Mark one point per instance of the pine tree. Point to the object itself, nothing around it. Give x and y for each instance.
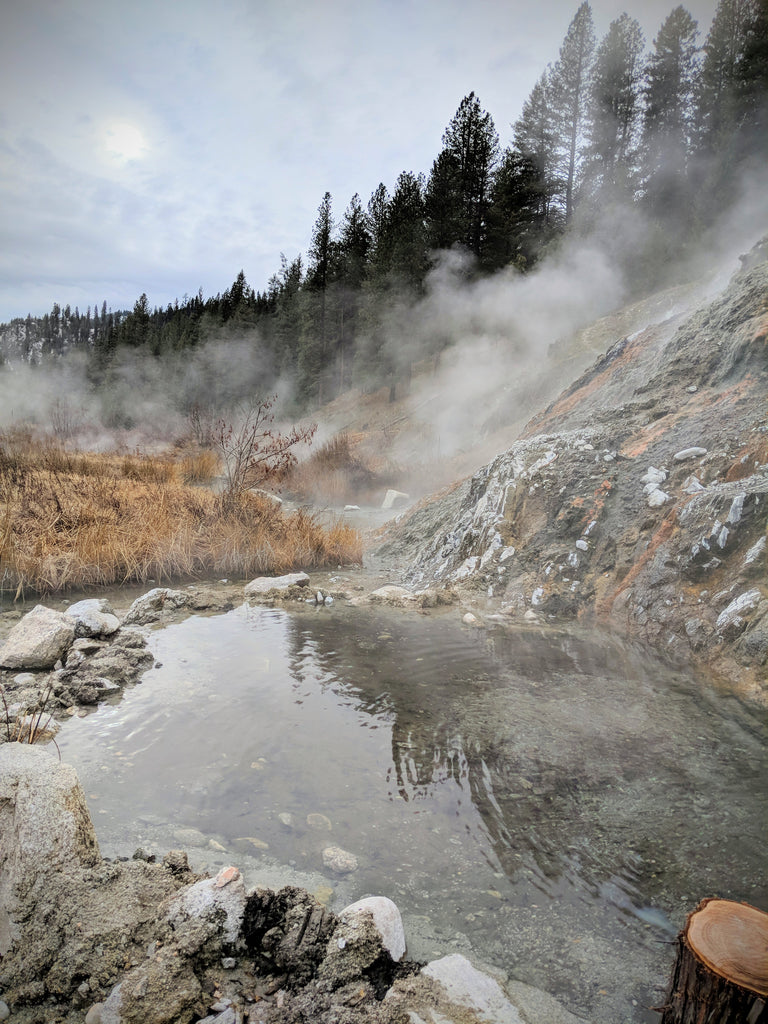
(314, 348)
(718, 101)
(535, 140)
(752, 86)
(472, 144)
(516, 227)
(669, 114)
(614, 107)
(569, 88)
(442, 203)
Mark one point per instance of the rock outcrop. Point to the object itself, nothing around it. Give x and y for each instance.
(638, 497)
(84, 939)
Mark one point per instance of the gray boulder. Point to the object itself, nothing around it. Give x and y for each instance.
(266, 584)
(163, 990)
(44, 825)
(150, 606)
(93, 618)
(38, 641)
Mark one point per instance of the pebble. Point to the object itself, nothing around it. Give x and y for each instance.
(341, 862)
(582, 545)
(469, 619)
(94, 1014)
(657, 498)
(689, 453)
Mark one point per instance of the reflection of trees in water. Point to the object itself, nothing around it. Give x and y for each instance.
(532, 811)
(549, 773)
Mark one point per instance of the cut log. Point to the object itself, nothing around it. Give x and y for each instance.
(721, 972)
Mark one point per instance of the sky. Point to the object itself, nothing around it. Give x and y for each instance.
(161, 147)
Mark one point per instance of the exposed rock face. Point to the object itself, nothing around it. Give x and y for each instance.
(44, 826)
(41, 638)
(639, 496)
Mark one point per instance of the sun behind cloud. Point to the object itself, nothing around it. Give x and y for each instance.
(125, 142)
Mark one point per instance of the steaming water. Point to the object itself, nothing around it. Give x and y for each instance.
(553, 803)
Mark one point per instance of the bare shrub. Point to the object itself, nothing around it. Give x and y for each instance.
(338, 472)
(252, 453)
(65, 421)
(202, 423)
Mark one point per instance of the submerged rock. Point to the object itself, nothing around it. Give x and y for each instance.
(339, 861)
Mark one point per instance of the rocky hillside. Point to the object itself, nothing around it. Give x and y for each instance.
(637, 498)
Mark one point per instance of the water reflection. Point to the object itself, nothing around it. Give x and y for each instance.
(592, 768)
(561, 800)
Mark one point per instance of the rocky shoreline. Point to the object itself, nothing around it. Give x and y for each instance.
(85, 939)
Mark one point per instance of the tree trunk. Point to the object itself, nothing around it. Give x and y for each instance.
(721, 972)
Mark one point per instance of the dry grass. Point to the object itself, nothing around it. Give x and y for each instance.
(340, 472)
(77, 520)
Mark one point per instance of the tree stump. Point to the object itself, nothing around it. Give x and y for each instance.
(721, 972)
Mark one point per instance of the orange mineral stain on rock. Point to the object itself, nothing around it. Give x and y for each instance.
(225, 876)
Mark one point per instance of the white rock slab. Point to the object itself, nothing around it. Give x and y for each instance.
(470, 988)
(739, 607)
(394, 498)
(689, 453)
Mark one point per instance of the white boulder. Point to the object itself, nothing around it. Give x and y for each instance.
(386, 919)
(93, 618)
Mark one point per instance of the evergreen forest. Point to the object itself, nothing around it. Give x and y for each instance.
(615, 131)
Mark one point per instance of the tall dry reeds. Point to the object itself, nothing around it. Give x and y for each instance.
(72, 520)
(338, 472)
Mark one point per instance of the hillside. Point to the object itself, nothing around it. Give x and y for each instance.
(637, 498)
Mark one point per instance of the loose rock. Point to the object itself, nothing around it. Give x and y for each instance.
(339, 861)
(41, 638)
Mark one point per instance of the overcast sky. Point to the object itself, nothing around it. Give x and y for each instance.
(158, 146)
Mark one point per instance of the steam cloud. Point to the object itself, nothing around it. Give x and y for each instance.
(491, 349)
